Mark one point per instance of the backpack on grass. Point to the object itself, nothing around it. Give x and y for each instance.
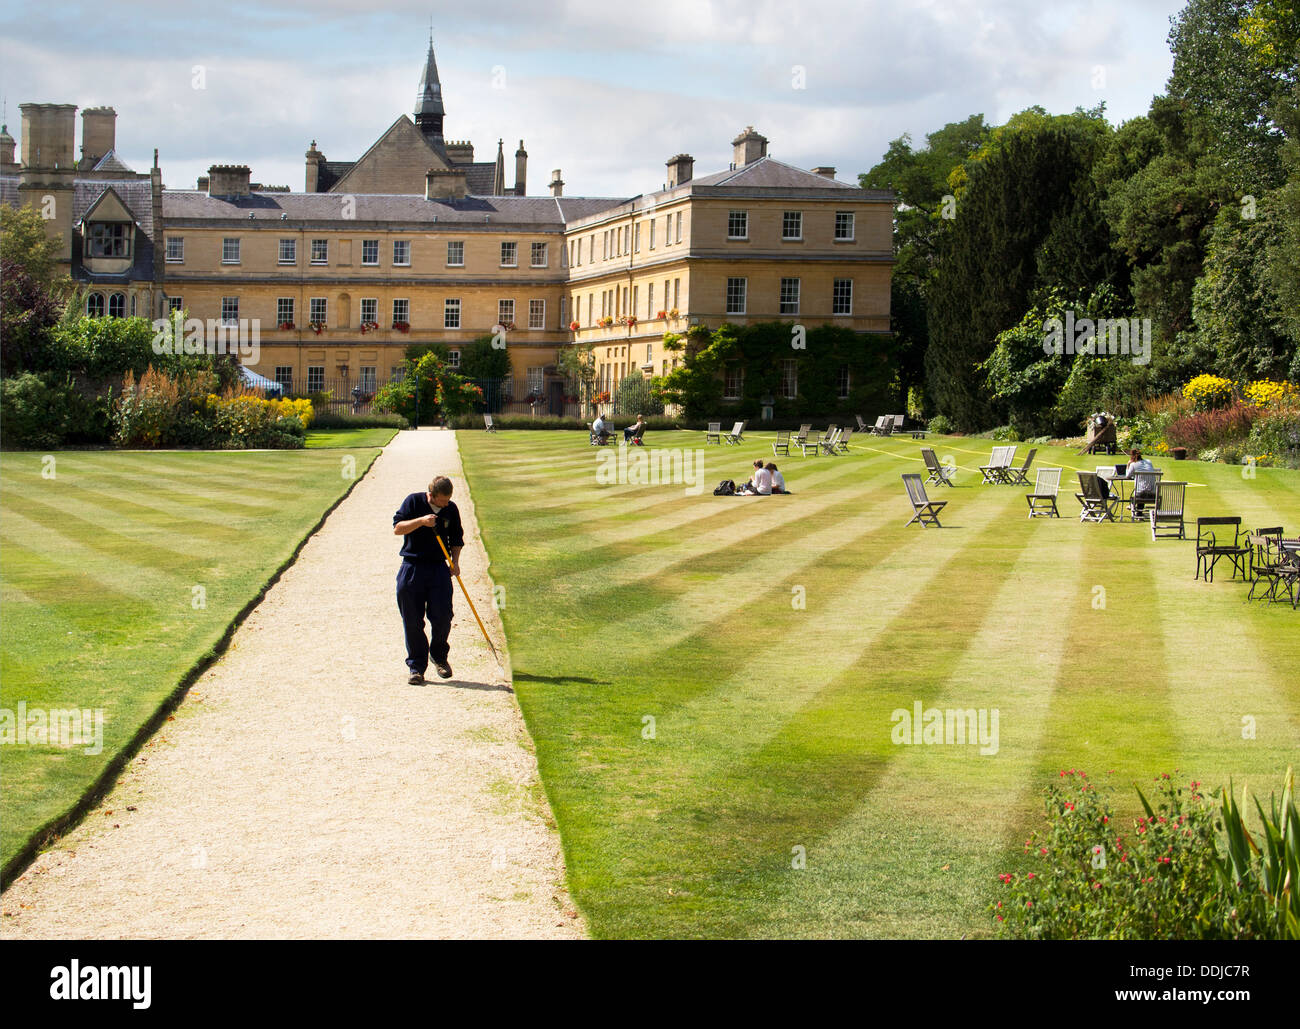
(726, 488)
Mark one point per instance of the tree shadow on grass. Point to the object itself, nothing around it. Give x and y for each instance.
(525, 677)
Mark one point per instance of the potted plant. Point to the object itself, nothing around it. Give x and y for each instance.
(286, 326)
(369, 327)
(661, 315)
(574, 326)
(402, 326)
(317, 327)
(1180, 453)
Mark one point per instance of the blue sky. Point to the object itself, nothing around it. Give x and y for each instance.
(606, 92)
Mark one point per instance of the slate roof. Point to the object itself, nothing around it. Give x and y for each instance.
(330, 173)
(181, 206)
(110, 162)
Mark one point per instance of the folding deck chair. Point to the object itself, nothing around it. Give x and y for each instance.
(1168, 511)
(1093, 503)
(1042, 502)
(737, 434)
(842, 444)
(999, 461)
(714, 433)
(924, 510)
(831, 441)
(940, 473)
(1018, 476)
(862, 426)
(782, 444)
(487, 424)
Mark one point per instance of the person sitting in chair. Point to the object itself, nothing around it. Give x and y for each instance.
(600, 430)
(633, 433)
(1138, 463)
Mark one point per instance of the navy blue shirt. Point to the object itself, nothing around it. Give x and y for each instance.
(421, 546)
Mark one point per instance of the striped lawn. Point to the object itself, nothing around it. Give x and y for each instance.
(99, 566)
(772, 724)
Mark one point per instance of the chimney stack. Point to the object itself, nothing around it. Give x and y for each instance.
(824, 169)
(228, 180)
(98, 134)
(557, 184)
(49, 132)
(445, 184)
(748, 147)
(680, 169)
(521, 169)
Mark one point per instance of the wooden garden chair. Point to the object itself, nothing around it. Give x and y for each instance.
(831, 442)
(842, 444)
(1042, 502)
(714, 433)
(940, 473)
(487, 424)
(1019, 476)
(1168, 511)
(1214, 543)
(1145, 487)
(737, 434)
(924, 510)
(862, 426)
(1095, 507)
(999, 460)
(782, 444)
(898, 422)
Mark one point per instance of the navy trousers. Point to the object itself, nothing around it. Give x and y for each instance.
(424, 590)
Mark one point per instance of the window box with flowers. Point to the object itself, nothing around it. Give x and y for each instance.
(673, 314)
(369, 327)
(402, 326)
(606, 322)
(317, 327)
(286, 326)
(574, 326)
(661, 315)
(629, 320)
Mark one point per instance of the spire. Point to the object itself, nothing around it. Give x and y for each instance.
(428, 101)
(499, 177)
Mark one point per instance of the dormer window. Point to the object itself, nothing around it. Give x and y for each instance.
(109, 239)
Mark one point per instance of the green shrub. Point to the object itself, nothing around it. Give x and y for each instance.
(32, 412)
(326, 419)
(1277, 434)
(1086, 877)
(940, 424)
(634, 396)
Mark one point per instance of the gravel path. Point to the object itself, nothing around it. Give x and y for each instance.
(303, 789)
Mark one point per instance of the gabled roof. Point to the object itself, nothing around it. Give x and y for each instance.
(136, 195)
(108, 198)
(403, 126)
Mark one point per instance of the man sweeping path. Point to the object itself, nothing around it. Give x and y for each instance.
(424, 580)
(301, 793)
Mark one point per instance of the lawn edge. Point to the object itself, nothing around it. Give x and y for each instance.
(107, 779)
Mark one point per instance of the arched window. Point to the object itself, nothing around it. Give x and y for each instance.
(95, 305)
(117, 305)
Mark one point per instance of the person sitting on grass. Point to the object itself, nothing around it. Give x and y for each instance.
(601, 430)
(633, 433)
(778, 480)
(760, 483)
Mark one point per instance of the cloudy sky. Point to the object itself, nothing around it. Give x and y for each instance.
(604, 91)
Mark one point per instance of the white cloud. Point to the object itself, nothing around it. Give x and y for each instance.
(603, 91)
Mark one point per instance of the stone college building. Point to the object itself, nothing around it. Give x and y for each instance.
(415, 241)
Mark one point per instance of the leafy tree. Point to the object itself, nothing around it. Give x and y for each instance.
(1026, 200)
(29, 313)
(920, 179)
(577, 363)
(1234, 62)
(480, 360)
(442, 393)
(1236, 306)
(25, 245)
